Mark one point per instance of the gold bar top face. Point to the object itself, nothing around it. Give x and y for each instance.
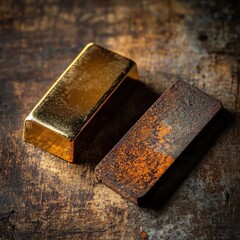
(57, 120)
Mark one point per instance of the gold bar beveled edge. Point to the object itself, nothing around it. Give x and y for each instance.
(132, 73)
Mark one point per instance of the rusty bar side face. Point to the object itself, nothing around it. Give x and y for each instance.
(57, 121)
(150, 147)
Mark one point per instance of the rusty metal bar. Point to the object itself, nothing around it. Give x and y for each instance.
(151, 146)
(57, 122)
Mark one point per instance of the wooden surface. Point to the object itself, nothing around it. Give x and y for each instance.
(43, 197)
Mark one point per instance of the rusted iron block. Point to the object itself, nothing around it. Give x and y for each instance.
(59, 121)
(152, 145)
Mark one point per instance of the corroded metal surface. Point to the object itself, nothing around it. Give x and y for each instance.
(145, 153)
(57, 121)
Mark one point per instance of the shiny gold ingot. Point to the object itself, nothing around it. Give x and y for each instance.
(56, 123)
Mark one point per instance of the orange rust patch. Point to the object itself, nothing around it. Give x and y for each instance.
(144, 164)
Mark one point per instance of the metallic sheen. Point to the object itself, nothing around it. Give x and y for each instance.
(56, 122)
(151, 146)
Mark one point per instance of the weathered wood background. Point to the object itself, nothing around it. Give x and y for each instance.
(43, 197)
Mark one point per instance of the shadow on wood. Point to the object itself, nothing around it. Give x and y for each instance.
(185, 163)
(127, 104)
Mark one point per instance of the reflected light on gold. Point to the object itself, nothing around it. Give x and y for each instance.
(56, 122)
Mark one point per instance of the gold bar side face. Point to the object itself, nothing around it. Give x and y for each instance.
(48, 140)
(56, 122)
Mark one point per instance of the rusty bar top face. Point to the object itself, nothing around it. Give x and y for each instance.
(149, 148)
(57, 120)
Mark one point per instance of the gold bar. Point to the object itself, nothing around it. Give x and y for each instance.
(56, 123)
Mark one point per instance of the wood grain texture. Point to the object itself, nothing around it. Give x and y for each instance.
(43, 197)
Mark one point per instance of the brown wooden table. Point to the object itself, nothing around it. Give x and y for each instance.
(43, 197)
